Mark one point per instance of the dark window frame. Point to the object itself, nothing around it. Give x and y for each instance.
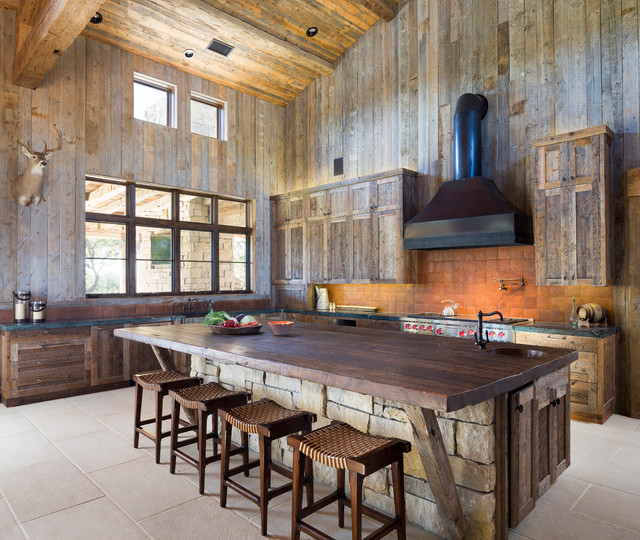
(131, 221)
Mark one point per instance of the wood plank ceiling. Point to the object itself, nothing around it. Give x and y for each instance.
(272, 59)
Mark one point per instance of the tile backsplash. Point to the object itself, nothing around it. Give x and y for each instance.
(466, 277)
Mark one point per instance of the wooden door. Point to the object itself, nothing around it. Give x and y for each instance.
(338, 253)
(279, 255)
(318, 205)
(288, 209)
(295, 253)
(387, 245)
(338, 201)
(107, 356)
(523, 457)
(317, 248)
(633, 295)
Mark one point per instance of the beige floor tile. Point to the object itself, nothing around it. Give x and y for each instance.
(121, 423)
(25, 449)
(60, 426)
(617, 421)
(41, 489)
(143, 488)
(515, 536)
(611, 505)
(602, 448)
(201, 519)
(98, 519)
(605, 474)
(48, 408)
(9, 529)
(98, 450)
(566, 491)
(12, 422)
(627, 457)
(551, 522)
(128, 393)
(101, 404)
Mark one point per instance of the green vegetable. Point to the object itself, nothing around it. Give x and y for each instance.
(215, 318)
(247, 319)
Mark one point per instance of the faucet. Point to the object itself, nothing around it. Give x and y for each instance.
(480, 341)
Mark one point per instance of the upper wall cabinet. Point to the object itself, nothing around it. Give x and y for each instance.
(573, 208)
(351, 232)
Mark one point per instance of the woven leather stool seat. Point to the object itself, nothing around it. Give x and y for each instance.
(160, 382)
(206, 399)
(261, 413)
(269, 421)
(343, 447)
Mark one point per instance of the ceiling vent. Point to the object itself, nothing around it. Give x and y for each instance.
(220, 47)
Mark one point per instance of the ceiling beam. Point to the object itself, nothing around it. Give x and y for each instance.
(55, 26)
(385, 9)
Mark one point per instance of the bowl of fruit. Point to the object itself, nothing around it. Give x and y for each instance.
(220, 322)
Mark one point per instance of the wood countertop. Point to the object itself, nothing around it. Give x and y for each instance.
(439, 373)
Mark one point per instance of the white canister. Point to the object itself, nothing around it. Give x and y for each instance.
(322, 298)
(38, 310)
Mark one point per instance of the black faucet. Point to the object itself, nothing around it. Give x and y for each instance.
(480, 341)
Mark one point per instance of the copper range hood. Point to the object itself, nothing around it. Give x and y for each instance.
(469, 211)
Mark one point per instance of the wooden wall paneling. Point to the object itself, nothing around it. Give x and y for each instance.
(93, 106)
(515, 191)
(232, 131)
(115, 111)
(403, 112)
(562, 49)
(433, 81)
(593, 49)
(127, 151)
(336, 116)
(576, 69)
(350, 111)
(629, 372)
(502, 104)
(21, 229)
(445, 76)
(73, 266)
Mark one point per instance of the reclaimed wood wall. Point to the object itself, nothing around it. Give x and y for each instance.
(545, 66)
(89, 95)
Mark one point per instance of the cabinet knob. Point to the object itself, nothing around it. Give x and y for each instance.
(520, 408)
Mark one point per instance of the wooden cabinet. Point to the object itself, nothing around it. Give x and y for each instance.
(289, 296)
(573, 218)
(140, 356)
(539, 440)
(592, 375)
(351, 233)
(108, 362)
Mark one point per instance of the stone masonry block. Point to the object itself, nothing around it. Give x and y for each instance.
(379, 501)
(379, 481)
(482, 413)
(237, 375)
(350, 399)
(479, 506)
(281, 397)
(284, 383)
(473, 475)
(418, 487)
(390, 428)
(425, 514)
(313, 398)
(476, 442)
(198, 363)
(357, 419)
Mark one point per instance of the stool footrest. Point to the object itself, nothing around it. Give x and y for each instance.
(319, 505)
(313, 532)
(243, 468)
(282, 470)
(242, 490)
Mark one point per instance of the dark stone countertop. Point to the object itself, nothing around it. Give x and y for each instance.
(94, 321)
(595, 330)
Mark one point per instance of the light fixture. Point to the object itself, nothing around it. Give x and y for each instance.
(312, 31)
(97, 18)
(189, 54)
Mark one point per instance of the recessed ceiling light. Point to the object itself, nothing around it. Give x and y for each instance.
(312, 31)
(189, 54)
(96, 19)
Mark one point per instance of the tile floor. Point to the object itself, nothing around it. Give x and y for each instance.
(68, 470)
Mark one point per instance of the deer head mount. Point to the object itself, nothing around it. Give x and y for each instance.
(26, 189)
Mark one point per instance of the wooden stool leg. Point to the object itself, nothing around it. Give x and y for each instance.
(397, 475)
(226, 428)
(340, 473)
(265, 472)
(202, 448)
(214, 427)
(355, 481)
(308, 469)
(244, 437)
(158, 441)
(136, 416)
(175, 424)
(298, 479)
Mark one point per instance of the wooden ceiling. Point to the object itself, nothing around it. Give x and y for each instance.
(273, 58)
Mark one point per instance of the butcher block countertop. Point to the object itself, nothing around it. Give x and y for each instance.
(444, 374)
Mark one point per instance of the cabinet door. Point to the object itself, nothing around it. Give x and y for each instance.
(362, 248)
(387, 247)
(338, 201)
(318, 205)
(279, 255)
(339, 263)
(523, 489)
(288, 210)
(317, 238)
(295, 253)
(107, 356)
(291, 297)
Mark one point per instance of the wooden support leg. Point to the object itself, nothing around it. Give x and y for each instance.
(202, 449)
(167, 364)
(136, 417)
(298, 479)
(158, 441)
(340, 500)
(428, 439)
(175, 424)
(265, 472)
(397, 476)
(355, 481)
(244, 437)
(225, 429)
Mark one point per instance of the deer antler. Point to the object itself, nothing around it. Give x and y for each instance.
(46, 148)
(19, 136)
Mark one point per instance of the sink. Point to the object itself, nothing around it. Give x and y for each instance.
(512, 351)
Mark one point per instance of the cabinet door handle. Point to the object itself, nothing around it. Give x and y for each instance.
(520, 408)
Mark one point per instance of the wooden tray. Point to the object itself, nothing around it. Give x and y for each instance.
(361, 309)
(240, 331)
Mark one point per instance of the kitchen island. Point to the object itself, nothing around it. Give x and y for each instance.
(422, 374)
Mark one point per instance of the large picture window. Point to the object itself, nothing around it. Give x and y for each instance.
(143, 240)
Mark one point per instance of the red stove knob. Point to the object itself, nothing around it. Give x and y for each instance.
(415, 326)
(492, 333)
(462, 333)
(429, 328)
(422, 327)
(407, 326)
(469, 332)
(439, 331)
(500, 334)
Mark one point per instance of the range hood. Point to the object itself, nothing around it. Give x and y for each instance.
(469, 211)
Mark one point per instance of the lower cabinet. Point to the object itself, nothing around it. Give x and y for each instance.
(108, 362)
(538, 439)
(289, 296)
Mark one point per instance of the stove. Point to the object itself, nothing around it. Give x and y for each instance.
(460, 326)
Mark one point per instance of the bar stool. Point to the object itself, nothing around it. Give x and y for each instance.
(343, 447)
(205, 400)
(269, 421)
(159, 382)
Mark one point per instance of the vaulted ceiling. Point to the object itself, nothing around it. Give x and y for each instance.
(273, 58)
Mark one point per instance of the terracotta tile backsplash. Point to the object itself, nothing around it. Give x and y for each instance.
(466, 277)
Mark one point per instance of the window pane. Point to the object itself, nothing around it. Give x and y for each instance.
(151, 203)
(195, 246)
(195, 209)
(105, 258)
(232, 213)
(154, 253)
(195, 276)
(105, 198)
(204, 119)
(233, 276)
(232, 248)
(150, 103)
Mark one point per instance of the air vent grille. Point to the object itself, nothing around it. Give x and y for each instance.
(220, 47)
